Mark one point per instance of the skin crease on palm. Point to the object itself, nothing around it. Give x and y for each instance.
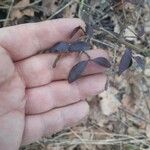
(35, 99)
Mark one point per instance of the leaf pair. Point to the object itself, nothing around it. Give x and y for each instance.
(76, 46)
(127, 60)
(78, 69)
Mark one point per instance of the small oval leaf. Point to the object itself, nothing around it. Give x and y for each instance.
(76, 30)
(60, 47)
(126, 61)
(76, 71)
(102, 61)
(140, 62)
(79, 46)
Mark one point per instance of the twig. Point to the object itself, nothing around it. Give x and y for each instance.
(110, 139)
(130, 113)
(21, 7)
(138, 17)
(82, 140)
(93, 10)
(124, 12)
(80, 8)
(8, 14)
(124, 42)
(61, 9)
(146, 98)
(98, 41)
(3, 20)
(29, 5)
(102, 142)
(4, 7)
(147, 105)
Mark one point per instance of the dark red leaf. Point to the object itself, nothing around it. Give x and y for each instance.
(126, 61)
(60, 47)
(76, 71)
(140, 62)
(131, 62)
(76, 30)
(102, 61)
(140, 30)
(79, 46)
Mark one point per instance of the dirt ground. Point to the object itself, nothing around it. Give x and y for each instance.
(119, 117)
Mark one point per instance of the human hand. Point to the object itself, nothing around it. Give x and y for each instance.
(35, 98)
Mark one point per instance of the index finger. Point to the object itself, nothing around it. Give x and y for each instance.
(25, 40)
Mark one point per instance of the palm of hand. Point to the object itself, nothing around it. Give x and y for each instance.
(30, 106)
(12, 105)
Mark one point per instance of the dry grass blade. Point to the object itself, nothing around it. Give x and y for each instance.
(8, 13)
(123, 41)
(134, 115)
(21, 7)
(101, 142)
(61, 9)
(81, 4)
(80, 138)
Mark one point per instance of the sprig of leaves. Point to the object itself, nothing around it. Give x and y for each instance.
(79, 68)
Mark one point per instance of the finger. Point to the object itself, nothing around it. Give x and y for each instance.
(58, 94)
(38, 70)
(53, 121)
(6, 66)
(33, 37)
